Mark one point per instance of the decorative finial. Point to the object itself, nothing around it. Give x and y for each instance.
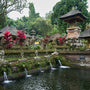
(73, 8)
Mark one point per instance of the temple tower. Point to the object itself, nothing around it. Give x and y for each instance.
(72, 17)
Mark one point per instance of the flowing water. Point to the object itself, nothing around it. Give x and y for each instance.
(61, 66)
(52, 67)
(6, 79)
(27, 73)
(59, 79)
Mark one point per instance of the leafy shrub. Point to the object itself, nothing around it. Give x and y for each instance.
(36, 47)
(82, 48)
(50, 45)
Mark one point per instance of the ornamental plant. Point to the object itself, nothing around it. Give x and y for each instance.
(62, 40)
(46, 40)
(7, 39)
(20, 37)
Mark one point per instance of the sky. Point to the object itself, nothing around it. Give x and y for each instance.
(41, 6)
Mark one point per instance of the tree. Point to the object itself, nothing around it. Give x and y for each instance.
(10, 22)
(65, 6)
(48, 15)
(41, 26)
(32, 14)
(6, 6)
(28, 21)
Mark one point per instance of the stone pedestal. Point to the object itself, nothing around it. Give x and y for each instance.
(73, 32)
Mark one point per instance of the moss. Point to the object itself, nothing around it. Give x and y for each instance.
(34, 64)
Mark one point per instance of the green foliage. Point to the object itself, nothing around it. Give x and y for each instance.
(62, 47)
(35, 47)
(5, 8)
(50, 45)
(65, 6)
(5, 68)
(82, 48)
(32, 64)
(32, 14)
(40, 25)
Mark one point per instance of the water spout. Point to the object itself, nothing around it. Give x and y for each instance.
(52, 67)
(41, 70)
(26, 72)
(60, 62)
(6, 78)
(61, 66)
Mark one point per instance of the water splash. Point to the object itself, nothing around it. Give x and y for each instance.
(60, 62)
(61, 66)
(55, 52)
(26, 72)
(52, 67)
(41, 70)
(6, 78)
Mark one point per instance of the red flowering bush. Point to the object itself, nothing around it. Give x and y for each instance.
(47, 36)
(62, 40)
(20, 37)
(46, 40)
(7, 39)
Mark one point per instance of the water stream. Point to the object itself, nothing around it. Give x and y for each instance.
(6, 78)
(26, 72)
(61, 66)
(52, 67)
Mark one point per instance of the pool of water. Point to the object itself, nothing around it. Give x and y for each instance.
(59, 79)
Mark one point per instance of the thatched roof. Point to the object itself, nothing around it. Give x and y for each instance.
(13, 30)
(84, 34)
(53, 37)
(73, 13)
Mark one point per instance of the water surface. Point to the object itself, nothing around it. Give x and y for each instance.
(59, 79)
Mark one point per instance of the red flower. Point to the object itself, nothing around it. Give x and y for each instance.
(14, 41)
(45, 40)
(10, 45)
(61, 40)
(47, 36)
(20, 37)
(24, 36)
(7, 39)
(6, 33)
(20, 43)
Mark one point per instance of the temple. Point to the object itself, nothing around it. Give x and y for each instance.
(86, 35)
(72, 17)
